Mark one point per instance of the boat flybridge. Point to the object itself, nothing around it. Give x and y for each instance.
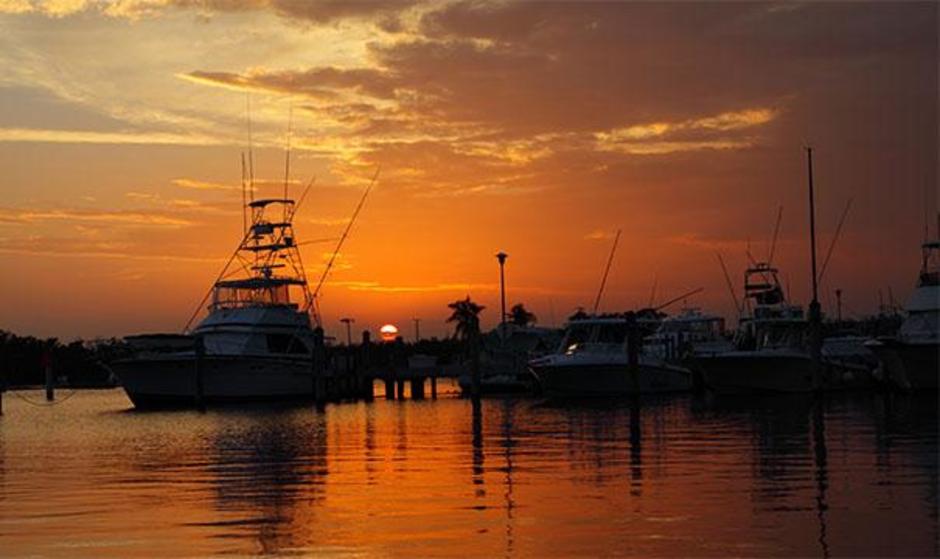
(265, 311)
(910, 359)
(255, 343)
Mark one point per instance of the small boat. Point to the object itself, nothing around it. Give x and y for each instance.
(504, 358)
(255, 344)
(593, 361)
(910, 359)
(687, 334)
(683, 337)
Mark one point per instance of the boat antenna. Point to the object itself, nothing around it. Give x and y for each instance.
(610, 260)
(290, 123)
(835, 237)
(724, 270)
(251, 156)
(679, 298)
(300, 200)
(342, 239)
(653, 291)
(244, 202)
(773, 242)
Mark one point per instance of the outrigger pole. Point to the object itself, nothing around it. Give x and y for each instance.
(724, 270)
(610, 260)
(342, 239)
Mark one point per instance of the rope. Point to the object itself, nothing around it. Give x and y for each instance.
(45, 404)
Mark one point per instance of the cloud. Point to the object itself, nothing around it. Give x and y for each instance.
(318, 11)
(130, 217)
(96, 137)
(202, 185)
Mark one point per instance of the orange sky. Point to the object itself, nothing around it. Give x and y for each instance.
(534, 128)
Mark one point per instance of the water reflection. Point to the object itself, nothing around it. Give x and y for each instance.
(262, 473)
(841, 475)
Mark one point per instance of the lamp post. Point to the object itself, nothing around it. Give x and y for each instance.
(501, 256)
(348, 322)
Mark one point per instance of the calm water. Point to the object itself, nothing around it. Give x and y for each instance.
(851, 475)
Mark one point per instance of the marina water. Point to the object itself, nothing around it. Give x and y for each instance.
(846, 474)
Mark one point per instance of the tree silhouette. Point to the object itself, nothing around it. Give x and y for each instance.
(466, 316)
(519, 316)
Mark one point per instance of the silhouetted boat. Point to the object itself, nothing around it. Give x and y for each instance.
(504, 359)
(255, 343)
(593, 361)
(771, 346)
(910, 359)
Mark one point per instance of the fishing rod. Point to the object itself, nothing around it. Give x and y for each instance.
(342, 239)
(724, 269)
(610, 260)
(679, 298)
(835, 237)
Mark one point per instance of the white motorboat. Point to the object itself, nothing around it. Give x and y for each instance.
(256, 343)
(910, 359)
(593, 361)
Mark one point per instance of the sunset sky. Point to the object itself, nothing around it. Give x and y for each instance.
(534, 128)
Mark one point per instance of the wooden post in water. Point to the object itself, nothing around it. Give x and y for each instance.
(417, 388)
(319, 374)
(200, 348)
(363, 367)
(50, 379)
(633, 352)
(434, 385)
(475, 379)
(389, 388)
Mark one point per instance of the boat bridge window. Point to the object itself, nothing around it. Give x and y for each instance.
(285, 343)
(576, 337)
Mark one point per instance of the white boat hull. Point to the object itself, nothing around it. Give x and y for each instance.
(612, 379)
(172, 381)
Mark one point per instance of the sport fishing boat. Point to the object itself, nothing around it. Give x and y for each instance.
(910, 358)
(771, 346)
(256, 343)
(593, 360)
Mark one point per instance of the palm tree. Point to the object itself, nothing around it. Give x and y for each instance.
(465, 314)
(519, 316)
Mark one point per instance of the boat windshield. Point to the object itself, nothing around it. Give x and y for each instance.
(233, 297)
(596, 337)
(781, 335)
(577, 336)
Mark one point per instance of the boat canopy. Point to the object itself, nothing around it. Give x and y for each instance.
(266, 201)
(253, 292)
